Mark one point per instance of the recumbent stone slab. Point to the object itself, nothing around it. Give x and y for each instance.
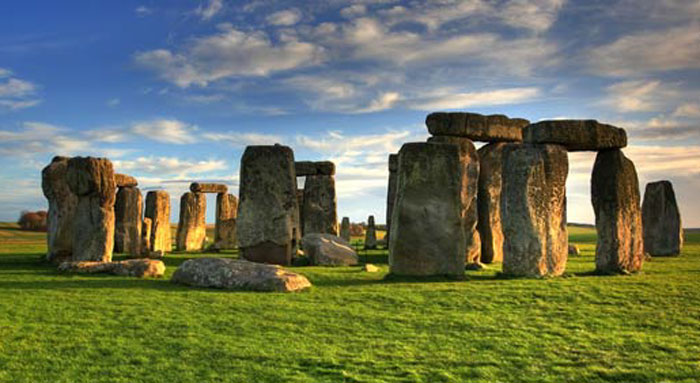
(661, 220)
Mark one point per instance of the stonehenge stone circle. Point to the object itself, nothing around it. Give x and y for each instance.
(62, 206)
(576, 135)
(125, 181)
(198, 187)
(345, 229)
(191, 228)
(661, 220)
(476, 127)
(618, 217)
(391, 192)
(489, 202)
(311, 168)
(92, 180)
(428, 233)
(225, 226)
(533, 210)
(319, 212)
(146, 228)
(328, 250)
(127, 231)
(268, 213)
(370, 234)
(158, 210)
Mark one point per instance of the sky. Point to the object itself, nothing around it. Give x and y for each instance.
(173, 91)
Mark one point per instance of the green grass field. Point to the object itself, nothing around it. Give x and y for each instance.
(351, 326)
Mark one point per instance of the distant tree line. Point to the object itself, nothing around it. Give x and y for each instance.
(33, 220)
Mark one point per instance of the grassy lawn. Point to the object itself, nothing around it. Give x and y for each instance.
(351, 326)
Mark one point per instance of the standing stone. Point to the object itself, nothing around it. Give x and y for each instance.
(428, 225)
(62, 205)
(268, 213)
(477, 127)
(191, 228)
(127, 231)
(370, 234)
(319, 213)
(391, 192)
(533, 207)
(92, 180)
(225, 229)
(345, 229)
(489, 202)
(661, 220)
(146, 235)
(618, 217)
(158, 210)
(300, 202)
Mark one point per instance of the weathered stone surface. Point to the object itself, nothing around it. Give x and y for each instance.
(328, 250)
(370, 234)
(127, 212)
(489, 202)
(62, 205)
(300, 202)
(310, 168)
(236, 274)
(618, 217)
(391, 192)
(370, 268)
(473, 247)
(140, 268)
(203, 187)
(158, 210)
(428, 226)
(533, 208)
(661, 220)
(92, 180)
(268, 213)
(477, 127)
(191, 228)
(319, 213)
(146, 227)
(125, 181)
(576, 135)
(225, 226)
(574, 250)
(345, 229)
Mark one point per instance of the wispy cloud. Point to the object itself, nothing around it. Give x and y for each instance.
(471, 99)
(287, 17)
(212, 7)
(242, 139)
(142, 11)
(16, 93)
(168, 131)
(640, 95)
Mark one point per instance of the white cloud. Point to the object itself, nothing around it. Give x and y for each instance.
(113, 102)
(210, 10)
(168, 166)
(16, 93)
(5, 72)
(687, 110)
(142, 11)
(385, 101)
(169, 131)
(639, 95)
(471, 99)
(287, 17)
(240, 139)
(353, 11)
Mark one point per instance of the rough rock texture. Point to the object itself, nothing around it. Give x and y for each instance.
(489, 202)
(146, 228)
(576, 135)
(130, 268)
(191, 228)
(62, 205)
(328, 250)
(158, 210)
(197, 187)
(92, 180)
(310, 168)
(127, 226)
(533, 208)
(618, 217)
(125, 181)
(428, 226)
(477, 127)
(268, 214)
(661, 220)
(370, 234)
(236, 274)
(300, 202)
(345, 229)
(391, 192)
(319, 213)
(474, 247)
(225, 226)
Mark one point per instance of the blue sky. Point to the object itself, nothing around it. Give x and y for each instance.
(173, 91)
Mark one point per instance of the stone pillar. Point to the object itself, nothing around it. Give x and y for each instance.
(268, 213)
(300, 202)
(618, 217)
(370, 234)
(533, 208)
(225, 229)
(146, 235)
(158, 210)
(345, 229)
(191, 227)
(428, 226)
(489, 202)
(661, 220)
(127, 210)
(320, 213)
(62, 205)
(391, 192)
(92, 180)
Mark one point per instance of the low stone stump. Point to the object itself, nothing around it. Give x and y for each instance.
(661, 220)
(62, 206)
(236, 274)
(158, 210)
(476, 127)
(370, 234)
(345, 229)
(140, 268)
(328, 250)
(576, 135)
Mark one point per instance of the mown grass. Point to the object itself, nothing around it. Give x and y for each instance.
(351, 326)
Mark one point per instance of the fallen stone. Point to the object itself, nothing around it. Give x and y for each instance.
(125, 181)
(574, 250)
(203, 187)
(319, 213)
(62, 206)
(158, 210)
(476, 127)
(576, 135)
(489, 202)
(140, 268)
(370, 234)
(345, 229)
(661, 220)
(370, 268)
(310, 168)
(328, 250)
(236, 274)
(127, 211)
(191, 228)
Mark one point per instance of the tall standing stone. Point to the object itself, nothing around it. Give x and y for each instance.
(429, 222)
(127, 232)
(661, 220)
(370, 234)
(489, 202)
(618, 217)
(533, 207)
(158, 210)
(268, 213)
(191, 228)
(62, 205)
(92, 180)
(146, 228)
(345, 229)
(225, 228)
(319, 211)
(391, 192)
(300, 202)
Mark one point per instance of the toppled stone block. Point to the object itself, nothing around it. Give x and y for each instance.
(328, 250)
(140, 268)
